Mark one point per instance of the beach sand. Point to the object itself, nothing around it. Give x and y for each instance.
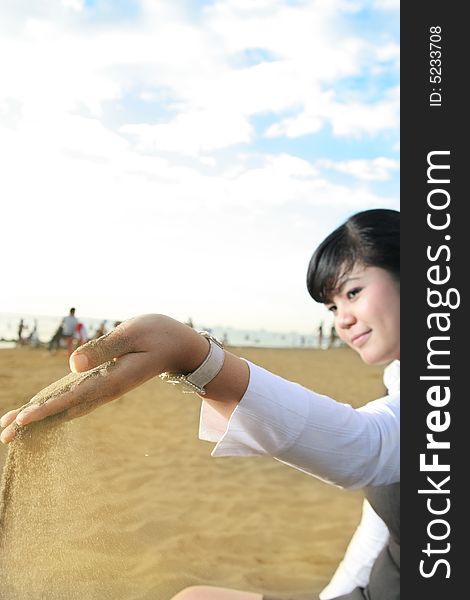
(128, 504)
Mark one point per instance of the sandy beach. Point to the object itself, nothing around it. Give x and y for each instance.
(131, 506)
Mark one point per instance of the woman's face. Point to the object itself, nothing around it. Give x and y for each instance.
(366, 308)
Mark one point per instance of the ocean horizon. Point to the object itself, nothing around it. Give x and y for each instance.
(46, 325)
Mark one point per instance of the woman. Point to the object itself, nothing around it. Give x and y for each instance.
(249, 411)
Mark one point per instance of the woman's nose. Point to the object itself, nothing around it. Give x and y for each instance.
(344, 319)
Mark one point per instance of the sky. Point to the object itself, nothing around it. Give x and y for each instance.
(186, 157)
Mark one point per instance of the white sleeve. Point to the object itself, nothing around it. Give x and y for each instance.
(348, 447)
(366, 544)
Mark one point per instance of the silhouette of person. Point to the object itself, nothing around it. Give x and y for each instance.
(333, 336)
(101, 330)
(20, 331)
(55, 339)
(81, 334)
(68, 329)
(33, 338)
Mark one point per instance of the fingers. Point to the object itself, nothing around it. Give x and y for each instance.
(25, 416)
(9, 417)
(114, 344)
(79, 393)
(102, 370)
(72, 390)
(8, 434)
(9, 425)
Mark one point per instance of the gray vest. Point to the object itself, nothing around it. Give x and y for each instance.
(384, 582)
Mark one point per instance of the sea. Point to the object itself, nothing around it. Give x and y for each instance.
(44, 327)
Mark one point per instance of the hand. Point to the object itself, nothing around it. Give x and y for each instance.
(106, 368)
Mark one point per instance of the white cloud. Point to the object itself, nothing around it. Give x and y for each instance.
(387, 4)
(376, 169)
(130, 235)
(121, 143)
(388, 52)
(355, 119)
(62, 67)
(76, 5)
(192, 133)
(347, 119)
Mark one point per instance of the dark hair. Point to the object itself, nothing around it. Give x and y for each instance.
(370, 238)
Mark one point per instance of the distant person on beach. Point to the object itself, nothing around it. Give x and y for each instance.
(320, 335)
(33, 337)
(333, 337)
(81, 334)
(68, 329)
(54, 342)
(246, 410)
(21, 327)
(101, 330)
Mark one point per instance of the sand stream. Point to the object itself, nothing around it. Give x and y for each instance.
(43, 506)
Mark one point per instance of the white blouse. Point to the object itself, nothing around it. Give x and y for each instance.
(332, 441)
(348, 447)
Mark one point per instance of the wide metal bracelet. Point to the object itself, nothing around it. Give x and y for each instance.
(175, 379)
(204, 374)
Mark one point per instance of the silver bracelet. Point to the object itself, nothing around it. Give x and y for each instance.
(195, 382)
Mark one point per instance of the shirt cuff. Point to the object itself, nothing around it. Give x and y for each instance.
(263, 423)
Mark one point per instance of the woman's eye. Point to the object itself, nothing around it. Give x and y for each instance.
(331, 308)
(353, 293)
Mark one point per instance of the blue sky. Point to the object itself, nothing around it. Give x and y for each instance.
(186, 157)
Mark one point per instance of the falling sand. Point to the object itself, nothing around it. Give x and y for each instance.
(42, 495)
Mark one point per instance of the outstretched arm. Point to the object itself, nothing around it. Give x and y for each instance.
(134, 352)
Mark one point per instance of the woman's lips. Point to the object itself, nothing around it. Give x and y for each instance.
(361, 338)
